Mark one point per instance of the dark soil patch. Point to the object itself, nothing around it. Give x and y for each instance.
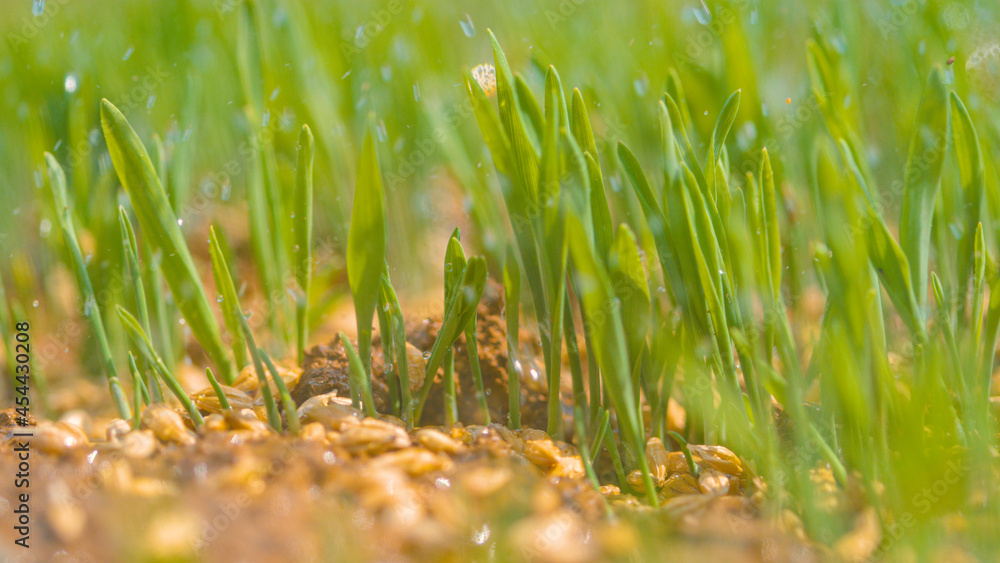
(325, 370)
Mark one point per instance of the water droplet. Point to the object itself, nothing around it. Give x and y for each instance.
(219, 298)
(182, 321)
(180, 221)
(468, 28)
(128, 53)
(380, 131)
(427, 355)
(151, 101)
(34, 303)
(416, 92)
(70, 84)
(480, 536)
(274, 93)
(265, 118)
(37, 7)
(45, 227)
(703, 16)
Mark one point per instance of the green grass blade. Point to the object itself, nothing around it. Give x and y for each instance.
(273, 418)
(302, 225)
(141, 340)
(231, 312)
(291, 414)
(525, 159)
(138, 389)
(366, 244)
(493, 133)
(57, 182)
(223, 400)
(604, 317)
(922, 181)
(969, 156)
(361, 390)
(160, 227)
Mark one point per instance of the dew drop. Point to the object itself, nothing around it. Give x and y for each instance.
(128, 53)
(180, 221)
(37, 7)
(265, 118)
(34, 303)
(70, 84)
(427, 355)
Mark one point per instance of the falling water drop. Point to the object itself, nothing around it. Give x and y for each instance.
(468, 28)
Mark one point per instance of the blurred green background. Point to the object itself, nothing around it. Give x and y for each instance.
(171, 68)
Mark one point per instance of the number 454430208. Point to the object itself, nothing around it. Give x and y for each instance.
(22, 359)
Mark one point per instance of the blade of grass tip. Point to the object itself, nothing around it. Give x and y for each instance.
(512, 310)
(366, 244)
(230, 301)
(162, 229)
(386, 327)
(361, 390)
(722, 126)
(459, 310)
(921, 181)
(944, 321)
(692, 467)
(265, 390)
(137, 392)
(302, 226)
(57, 182)
(588, 467)
(291, 412)
(223, 400)
(140, 339)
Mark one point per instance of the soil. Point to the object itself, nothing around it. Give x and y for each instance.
(351, 488)
(325, 370)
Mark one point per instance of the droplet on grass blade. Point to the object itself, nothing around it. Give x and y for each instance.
(70, 83)
(37, 7)
(128, 52)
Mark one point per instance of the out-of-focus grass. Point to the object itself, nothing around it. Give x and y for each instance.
(875, 118)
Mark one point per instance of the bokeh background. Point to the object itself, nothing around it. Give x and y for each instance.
(171, 67)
